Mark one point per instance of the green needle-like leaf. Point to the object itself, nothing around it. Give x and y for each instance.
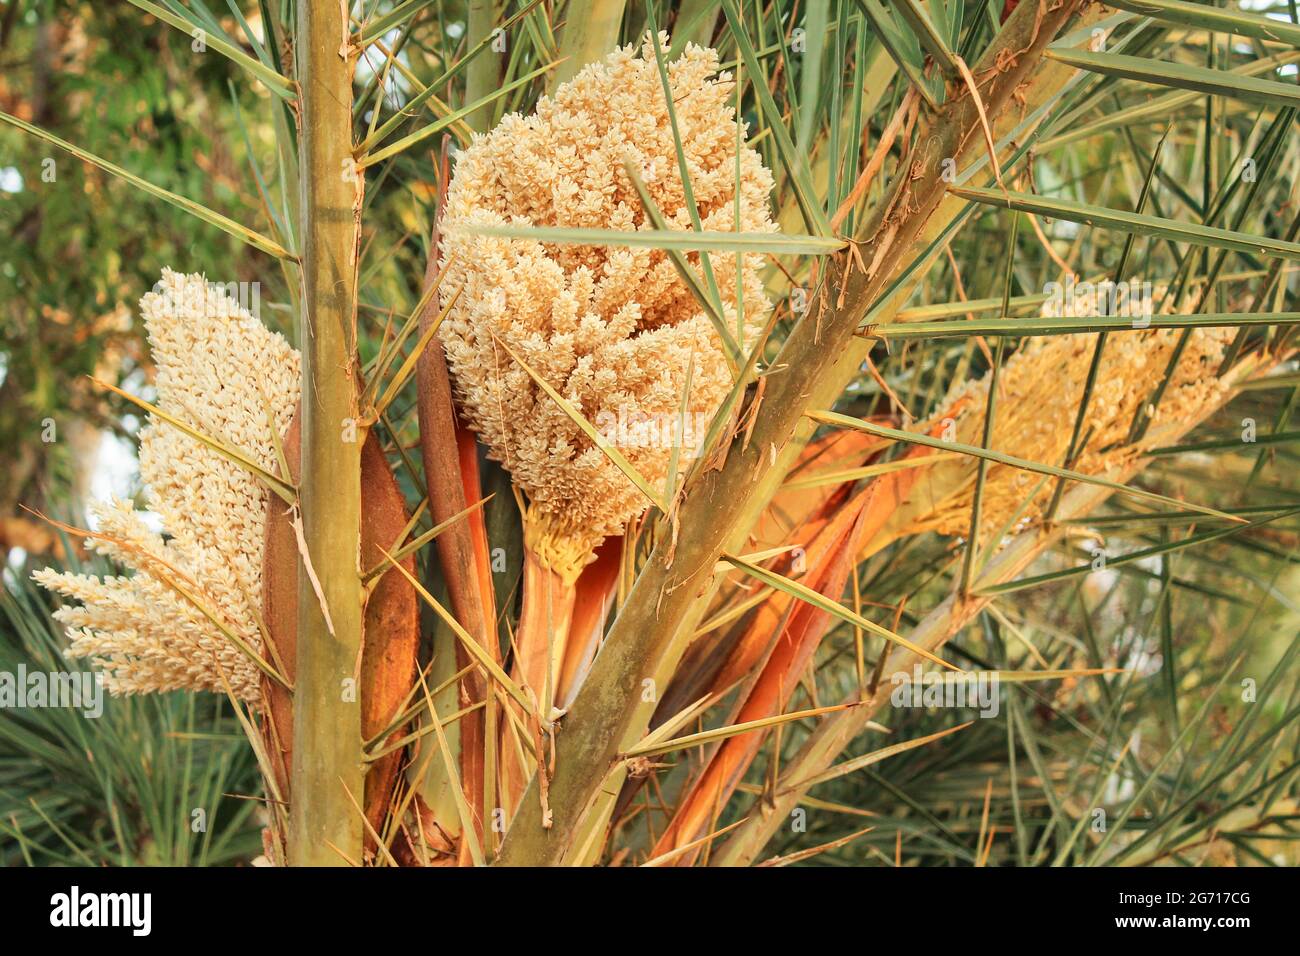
(1182, 76)
(1131, 222)
(1034, 325)
(280, 85)
(1213, 18)
(844, 421)
(255, 239)
(683, 240)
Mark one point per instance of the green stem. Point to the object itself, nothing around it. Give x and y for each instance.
(990, 412)
(591, 30)
(484, 72)
(695, 23)
(325, 826)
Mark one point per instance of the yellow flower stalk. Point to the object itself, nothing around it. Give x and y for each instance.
(168, 626)
(614, 330)
(1040, 391)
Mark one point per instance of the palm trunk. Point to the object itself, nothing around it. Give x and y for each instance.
(325, 825)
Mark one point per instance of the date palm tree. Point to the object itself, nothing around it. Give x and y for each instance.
(950, 284)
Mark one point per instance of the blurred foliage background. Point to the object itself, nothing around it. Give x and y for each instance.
(80, 249)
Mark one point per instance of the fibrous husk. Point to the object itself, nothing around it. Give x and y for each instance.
(391, 636)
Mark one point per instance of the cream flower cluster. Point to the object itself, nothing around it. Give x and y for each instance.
(614, 330)
(223, 373)
(1039, 392)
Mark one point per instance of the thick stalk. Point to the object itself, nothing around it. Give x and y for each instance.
(695, 23)
(540, 640)
(593, 597)
(1048, 83)
(484, 71)
(835, 733)
(611, 703)
(590, 31)
(325, 827)
(543, 629)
